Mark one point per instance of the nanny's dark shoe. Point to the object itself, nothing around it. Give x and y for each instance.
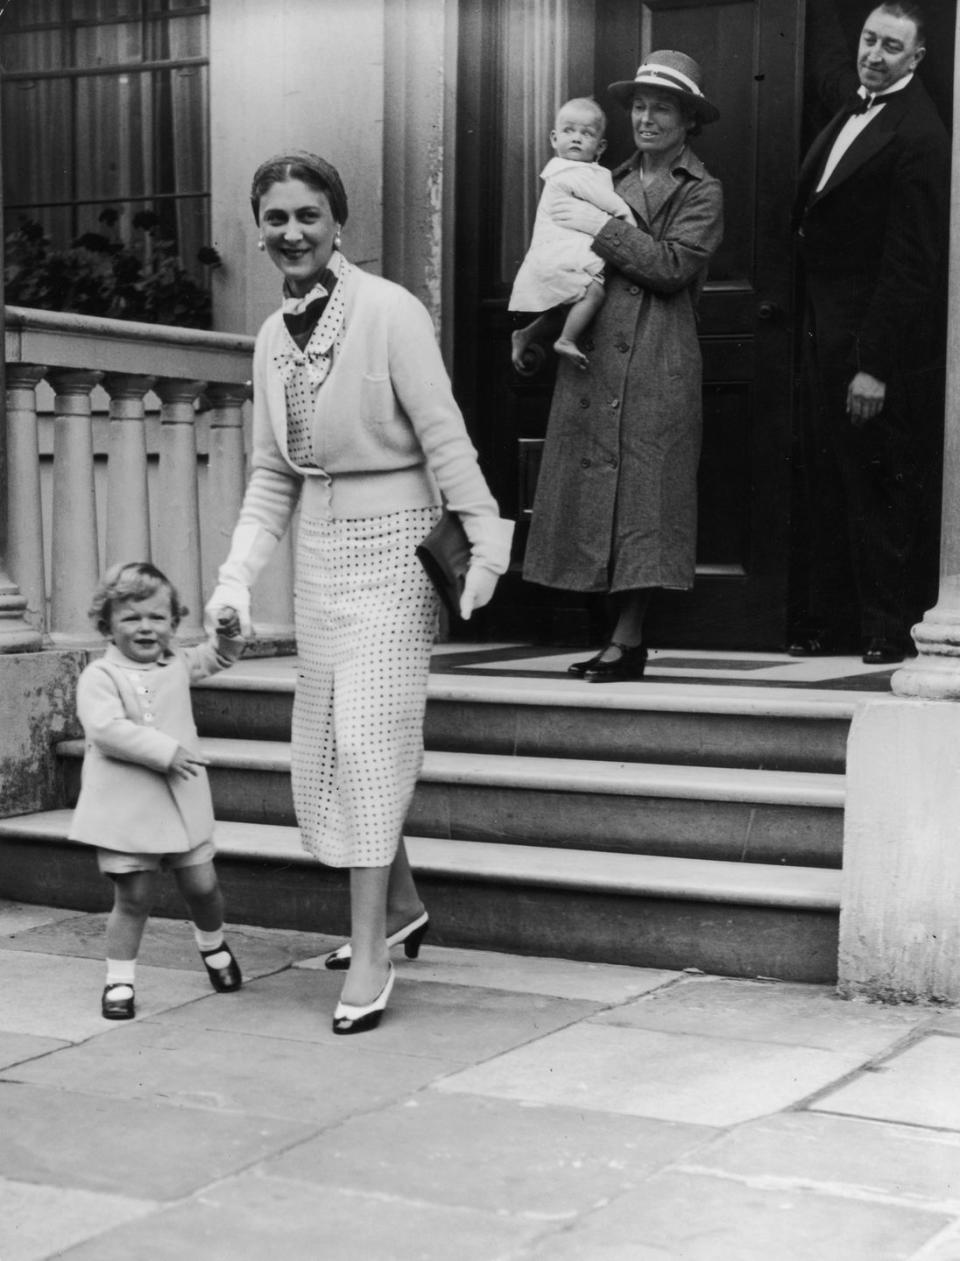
(350, 1019)
(815, 644)
(410, 936)
(630, 664)
(581, 668)
(226, 977)
(117, 1002)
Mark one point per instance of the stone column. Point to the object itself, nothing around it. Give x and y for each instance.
(75, 553)
(899, 922)
(24, 512)
(178, 509)
(128, 502)
(16, 633)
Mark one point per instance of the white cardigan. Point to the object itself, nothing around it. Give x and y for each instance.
(387, 431)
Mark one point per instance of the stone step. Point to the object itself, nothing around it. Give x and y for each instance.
(694, 812)
(729, 918)
(680, 724)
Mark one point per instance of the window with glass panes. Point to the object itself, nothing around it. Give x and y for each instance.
(105, 106)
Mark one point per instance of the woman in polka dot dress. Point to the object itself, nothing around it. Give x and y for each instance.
(354, 419)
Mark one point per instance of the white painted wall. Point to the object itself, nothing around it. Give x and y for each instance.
(303, 74)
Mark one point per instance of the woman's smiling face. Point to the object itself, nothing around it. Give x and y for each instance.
(660, 124)
(298, 232)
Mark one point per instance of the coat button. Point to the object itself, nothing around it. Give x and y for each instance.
(634, 288)
(614, 463)
(584, 402)
(614, 403)
(584, 463)
(622, 347)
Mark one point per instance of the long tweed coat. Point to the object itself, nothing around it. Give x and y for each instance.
(616, 501)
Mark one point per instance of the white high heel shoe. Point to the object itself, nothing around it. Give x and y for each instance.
(411, 935)
(350, 1019)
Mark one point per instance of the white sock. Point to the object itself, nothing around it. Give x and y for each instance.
(121, 972)
(208, 941)
(211, 941)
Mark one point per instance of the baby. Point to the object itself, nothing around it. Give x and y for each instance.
(560, 268)
(145, 800)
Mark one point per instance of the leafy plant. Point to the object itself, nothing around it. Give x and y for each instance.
(100, 274)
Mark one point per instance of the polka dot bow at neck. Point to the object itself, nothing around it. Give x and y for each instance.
(316, 356)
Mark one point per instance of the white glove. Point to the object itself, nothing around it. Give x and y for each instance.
(580, 216)
(250, 549)
(478, 588)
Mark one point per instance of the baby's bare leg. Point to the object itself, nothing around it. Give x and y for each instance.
(541, 329)
(578, 319)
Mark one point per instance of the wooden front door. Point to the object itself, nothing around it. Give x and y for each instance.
(750, 51)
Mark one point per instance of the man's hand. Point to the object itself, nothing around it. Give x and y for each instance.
(865, 397)
(580, 216)
(185, 764)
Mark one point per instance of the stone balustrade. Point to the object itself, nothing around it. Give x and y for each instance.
(156, 475)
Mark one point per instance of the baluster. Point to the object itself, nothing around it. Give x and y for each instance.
(226, 474)
(24, 511)
(273, 595)
(128, 502)
(178, 514)
(75, 559)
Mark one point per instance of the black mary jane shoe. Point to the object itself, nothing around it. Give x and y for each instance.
(226, 978)
(630, 665)
(115, 1005)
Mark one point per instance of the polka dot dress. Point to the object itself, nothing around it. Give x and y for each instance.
(366, 619)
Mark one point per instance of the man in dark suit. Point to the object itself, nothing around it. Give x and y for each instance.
(871, 218)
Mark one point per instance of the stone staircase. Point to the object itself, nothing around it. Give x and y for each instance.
(654, 824)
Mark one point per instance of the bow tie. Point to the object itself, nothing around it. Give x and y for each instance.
(863, 104)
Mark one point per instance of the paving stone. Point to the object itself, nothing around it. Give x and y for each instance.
(677, 1077)
(917, 1086)
(161, 1061)
(789, 1014)
(65, 1138)
(251, 1218)
(489, 1154)
(17, 1047)
(945, 1247)
(844, 1155)
(53, 997)
(438, 1021)
(18, 917)
(39, 1222)
(685, 1217)
(562, 978)
(169, 943)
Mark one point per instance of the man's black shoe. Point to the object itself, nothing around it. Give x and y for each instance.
(882, 652)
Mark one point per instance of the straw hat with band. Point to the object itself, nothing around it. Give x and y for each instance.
(670, 71)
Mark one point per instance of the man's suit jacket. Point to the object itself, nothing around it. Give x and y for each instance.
(874, 240)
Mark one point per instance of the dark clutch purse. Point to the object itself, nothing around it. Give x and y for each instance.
(445, 555)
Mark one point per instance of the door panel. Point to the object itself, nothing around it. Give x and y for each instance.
(750, 53)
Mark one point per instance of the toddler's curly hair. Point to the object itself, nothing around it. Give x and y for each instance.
(133, 580)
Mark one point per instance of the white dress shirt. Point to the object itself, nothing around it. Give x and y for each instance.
(854, 125)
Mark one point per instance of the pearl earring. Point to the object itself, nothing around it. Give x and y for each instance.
(260, 244)
(336, 241)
